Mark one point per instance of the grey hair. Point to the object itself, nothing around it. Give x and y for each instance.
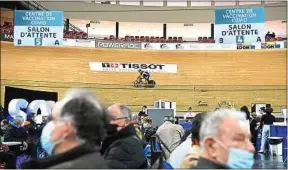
(126, 112)
(84, 109)
(213, 120)
(83, 94)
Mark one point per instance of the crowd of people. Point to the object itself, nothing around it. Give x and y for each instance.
(82, 133)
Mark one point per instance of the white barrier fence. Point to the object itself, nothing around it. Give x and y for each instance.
(179, 46)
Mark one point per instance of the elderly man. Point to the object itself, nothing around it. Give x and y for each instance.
(225, 141)
(73, 135)
(122, 149)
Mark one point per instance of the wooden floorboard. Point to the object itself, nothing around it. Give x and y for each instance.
(239, 77)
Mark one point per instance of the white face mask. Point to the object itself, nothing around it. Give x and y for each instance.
(146, 125)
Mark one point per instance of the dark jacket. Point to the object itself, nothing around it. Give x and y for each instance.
(207, 164)
(82, 157)
(149, 132)
(34, 132)
(186, 134)
(253, 128)
(124, 150)
(141, 113)
(14, 134)
(267, 119)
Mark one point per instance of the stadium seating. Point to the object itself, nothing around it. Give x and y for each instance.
(75, 35)
(7, 28)
(151, 39)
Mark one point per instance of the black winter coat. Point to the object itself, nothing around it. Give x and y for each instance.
(14, 134)
(124, 150)
(34, 132)
(82, 157)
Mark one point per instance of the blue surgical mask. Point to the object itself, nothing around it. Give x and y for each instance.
(45, 138)
(239, 158)
(46, 142)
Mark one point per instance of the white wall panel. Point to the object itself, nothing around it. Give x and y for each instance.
(140, 29)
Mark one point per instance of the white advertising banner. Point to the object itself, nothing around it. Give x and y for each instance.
(188, 46)
(159, 46)
(184, 46)
(132, 67)
(85, 43)
(68, 42)
(212, 47)
(78, 43)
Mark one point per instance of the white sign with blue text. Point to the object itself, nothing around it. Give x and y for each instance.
(38, 28)
(239, 25)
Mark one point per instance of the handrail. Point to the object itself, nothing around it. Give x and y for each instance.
(39, 6)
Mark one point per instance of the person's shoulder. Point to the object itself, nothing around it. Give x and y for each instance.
(127, 141)
(10, 128)
(92, 160)
(179, 127)
(141, 113)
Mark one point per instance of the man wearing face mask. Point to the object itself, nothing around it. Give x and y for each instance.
(225, 141)
(122, 149)
(73, 136)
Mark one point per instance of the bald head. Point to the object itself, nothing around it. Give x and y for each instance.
(121, 115)
(119, 110)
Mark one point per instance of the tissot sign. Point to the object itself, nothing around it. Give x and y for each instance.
(132, 67)
(116, 44)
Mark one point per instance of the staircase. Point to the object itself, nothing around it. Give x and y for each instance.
(37, 6)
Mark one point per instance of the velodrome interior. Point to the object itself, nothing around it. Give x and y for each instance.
(213, 77)
(204, 80)
(235, 77)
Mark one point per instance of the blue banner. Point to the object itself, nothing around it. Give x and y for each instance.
(38, 28)
(239, 15)
(38, 18)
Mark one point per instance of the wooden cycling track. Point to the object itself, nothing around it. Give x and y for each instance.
(239, 77)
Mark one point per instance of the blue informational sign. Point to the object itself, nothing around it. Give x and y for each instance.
(38, 28)
(240, 15)
(239, 25)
